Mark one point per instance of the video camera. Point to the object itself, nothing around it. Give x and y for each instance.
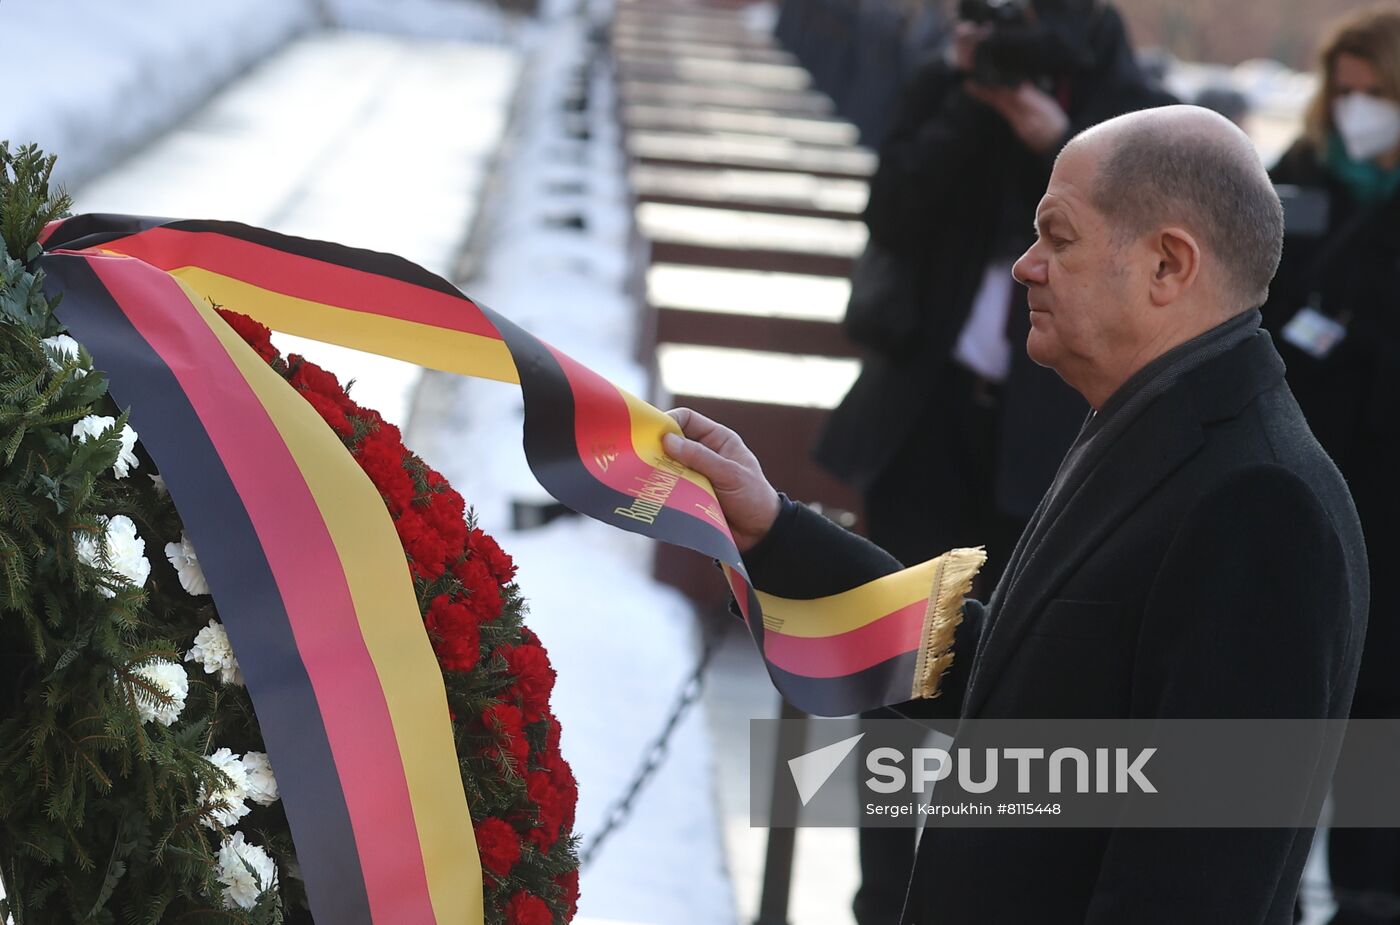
(1028, 41)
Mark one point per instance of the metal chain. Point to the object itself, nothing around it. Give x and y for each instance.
(655, 755)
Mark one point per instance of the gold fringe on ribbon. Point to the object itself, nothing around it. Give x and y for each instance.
(952, 581)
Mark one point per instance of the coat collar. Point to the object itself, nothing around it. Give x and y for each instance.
(1166, 434)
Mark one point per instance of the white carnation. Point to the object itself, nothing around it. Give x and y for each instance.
(170, 679)
(182, 556)
(126, 552)
(64, 348)
(212, 650)
(158, 481)
(246, 871)
(262, 786)
(232, 796)
(94, 425)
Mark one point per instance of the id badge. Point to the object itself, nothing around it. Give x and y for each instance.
(1314, 333)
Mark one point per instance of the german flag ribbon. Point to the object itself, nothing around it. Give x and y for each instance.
(304, 564)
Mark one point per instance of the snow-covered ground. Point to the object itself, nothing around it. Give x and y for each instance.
(369, 140)
(439, 19)
(96, 80)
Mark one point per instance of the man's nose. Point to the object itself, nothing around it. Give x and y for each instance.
(1029, 270)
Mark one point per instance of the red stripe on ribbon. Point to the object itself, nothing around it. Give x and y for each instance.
(847, 653)
(305, 278)
(603, 422)
(739, 587)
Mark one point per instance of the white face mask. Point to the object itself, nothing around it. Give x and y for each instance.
(1369, 126)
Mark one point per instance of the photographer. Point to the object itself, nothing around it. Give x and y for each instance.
(947, 397)
(1332, 310)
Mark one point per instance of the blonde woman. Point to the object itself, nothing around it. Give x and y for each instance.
(1334, 308)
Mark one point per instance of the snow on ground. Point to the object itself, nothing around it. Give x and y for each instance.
(95, 80)
(441, 19)
(621, 643)
(369, 140)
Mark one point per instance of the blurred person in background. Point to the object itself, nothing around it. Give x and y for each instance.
(1226, 100)
(946, 396)
(1334, 309)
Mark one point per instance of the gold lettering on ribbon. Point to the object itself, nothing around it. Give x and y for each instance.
(604, 455)
(711, 511)
(651, 494)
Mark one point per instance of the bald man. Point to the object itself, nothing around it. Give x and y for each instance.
(1197, 554)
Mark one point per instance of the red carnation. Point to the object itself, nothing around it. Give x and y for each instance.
(382, 458)
(534, 679)
(559, 770)
(330, 412)
(549, 803)
(308, 377)
(553, 730)
(456, 638)
(444, 512)
(568, 888)
(426, 550)
(508, 724)
(388, 432)
(447, 617)
(498, 845)
(485, 594)
(561, 777)
(528, 909)
(459, 652)
(500, 565)
(254, 333)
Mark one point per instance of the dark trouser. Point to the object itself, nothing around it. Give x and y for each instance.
(937, 494)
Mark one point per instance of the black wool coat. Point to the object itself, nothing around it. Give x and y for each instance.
(1210, 566)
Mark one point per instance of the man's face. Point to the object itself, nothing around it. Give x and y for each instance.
(1077, 281)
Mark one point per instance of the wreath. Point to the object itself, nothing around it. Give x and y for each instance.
(134, 785)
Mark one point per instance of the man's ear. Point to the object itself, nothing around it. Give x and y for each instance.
(1178, 263)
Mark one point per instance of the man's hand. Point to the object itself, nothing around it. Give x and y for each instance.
(749, 503)
(1034, 115)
